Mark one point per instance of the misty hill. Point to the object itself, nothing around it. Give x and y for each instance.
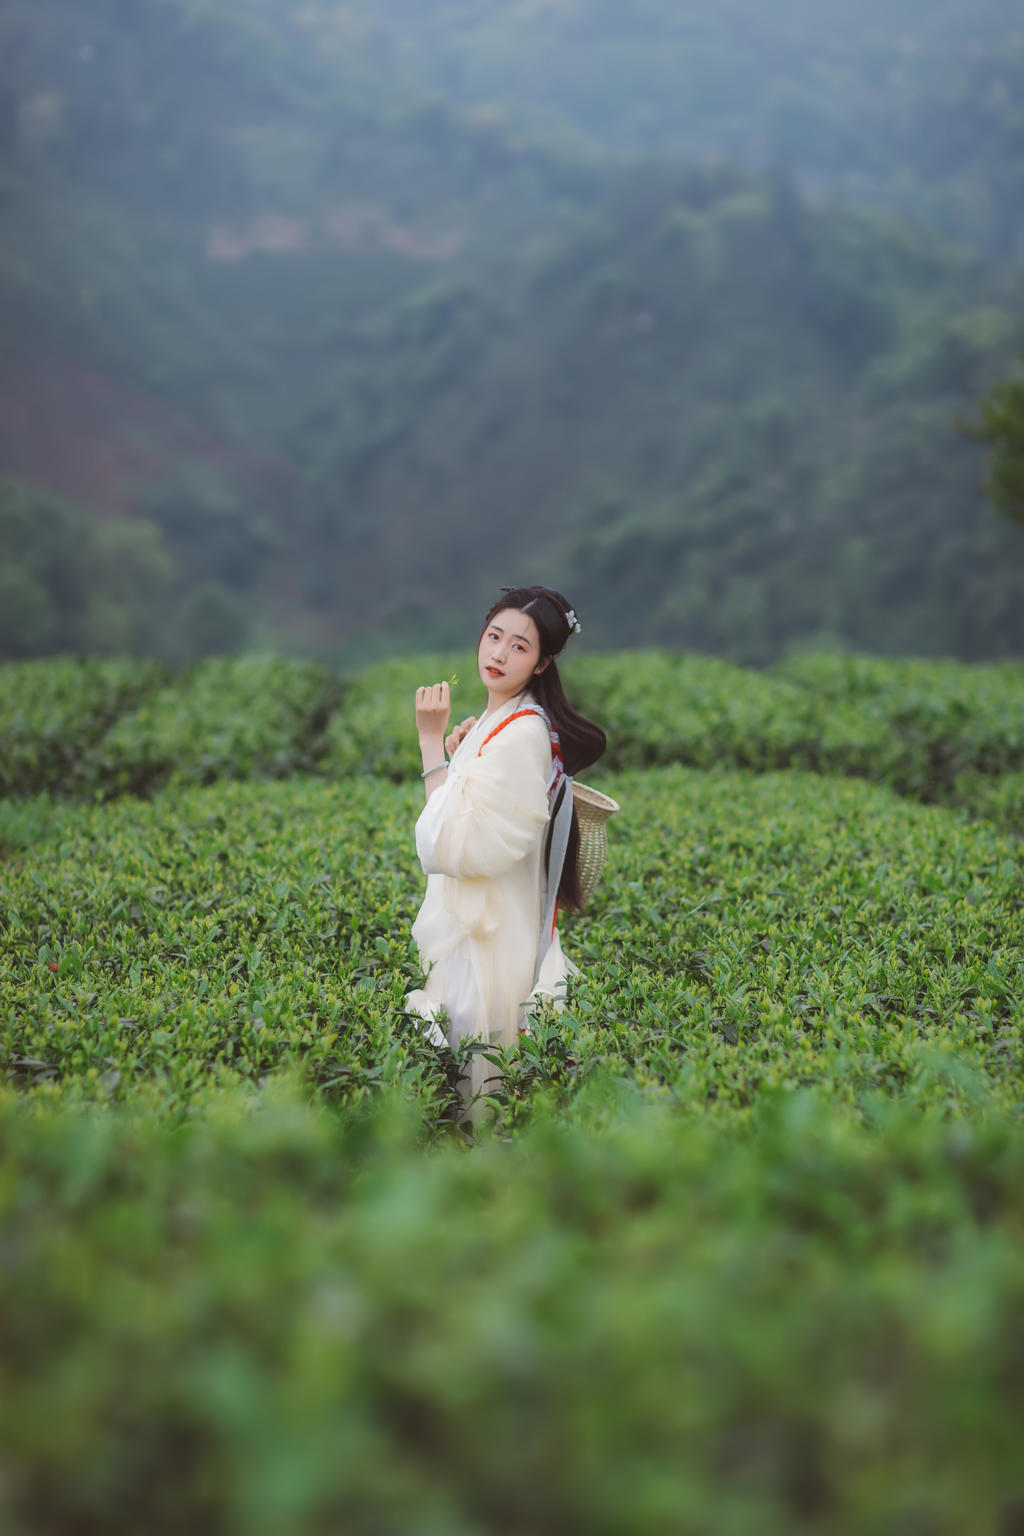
(214, 106)
(729, 417)
(306, 351)
(913, 104)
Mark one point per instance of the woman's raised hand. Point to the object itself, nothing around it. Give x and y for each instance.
(459, 734)
(433, 706)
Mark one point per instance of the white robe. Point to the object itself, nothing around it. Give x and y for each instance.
(480, 839)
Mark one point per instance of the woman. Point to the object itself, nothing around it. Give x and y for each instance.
(498, 837)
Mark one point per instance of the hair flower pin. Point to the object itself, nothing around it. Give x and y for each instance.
(573, 622)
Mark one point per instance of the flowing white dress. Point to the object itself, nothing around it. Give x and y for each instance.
(480, 840)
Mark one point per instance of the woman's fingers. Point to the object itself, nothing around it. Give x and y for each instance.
(433, 706)
(459, 734)
(433, 695)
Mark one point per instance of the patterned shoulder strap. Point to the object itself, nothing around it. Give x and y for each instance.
(528, 709)
(557, 766)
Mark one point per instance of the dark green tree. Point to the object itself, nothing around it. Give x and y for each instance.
(1002, 427)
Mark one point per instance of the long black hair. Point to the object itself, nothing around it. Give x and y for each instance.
(581, 741)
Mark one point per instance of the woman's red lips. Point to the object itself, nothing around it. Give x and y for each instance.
(494, 671)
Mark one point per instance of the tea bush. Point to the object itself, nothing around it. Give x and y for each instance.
(28, 822)
(933, 731)
(951, 719)
(275, 1321)
(936, 731)
(751, 932)
(921, 727)
(53, 714)
(656, 708)
(208, 936)
(663, 708)
(739, 1247)
(236, 718)
(782, 929)
(998, 798)
(375, 730)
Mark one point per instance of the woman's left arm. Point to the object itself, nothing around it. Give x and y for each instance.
(433, 706)
(488, 820)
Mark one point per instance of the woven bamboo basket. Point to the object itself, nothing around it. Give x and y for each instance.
(592, 812)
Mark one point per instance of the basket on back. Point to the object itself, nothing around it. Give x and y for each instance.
(592, 812)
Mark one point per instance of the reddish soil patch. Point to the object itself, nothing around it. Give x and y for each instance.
(103, 443)
(353, 224)
(269, 233)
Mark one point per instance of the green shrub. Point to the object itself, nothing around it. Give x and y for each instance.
(999, 799)
(281, 1322)
(918, 727)
(54, 713)
(662, 708)
(232, 718)
(758, 932)
(947, 718)
(208, 936)
(931, 730)
(375, 729)
(656, 708)
(739, 1246)
(29, 822)
(751, 932)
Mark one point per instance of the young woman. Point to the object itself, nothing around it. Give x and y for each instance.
(498, 837)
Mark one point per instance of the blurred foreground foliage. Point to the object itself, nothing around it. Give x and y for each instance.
(279, 1321)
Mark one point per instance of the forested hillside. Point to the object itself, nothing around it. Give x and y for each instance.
(915, 104)
(317, 329)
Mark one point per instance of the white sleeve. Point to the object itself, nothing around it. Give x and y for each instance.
(486, 821)
(427, 827)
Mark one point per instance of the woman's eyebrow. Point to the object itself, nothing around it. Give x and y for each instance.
(498, 630)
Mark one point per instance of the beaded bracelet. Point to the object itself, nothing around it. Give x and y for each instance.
(436, 769)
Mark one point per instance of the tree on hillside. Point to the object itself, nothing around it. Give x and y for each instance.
(8, 125)
(1002, 427)
(69, 582)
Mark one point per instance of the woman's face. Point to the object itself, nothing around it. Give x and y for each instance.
(508, 655)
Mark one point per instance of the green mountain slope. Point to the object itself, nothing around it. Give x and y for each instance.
(200, 210)
(728, 418)
(352, 356)
(912, 104)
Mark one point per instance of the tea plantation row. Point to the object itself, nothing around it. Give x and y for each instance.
(753, 932)
(76, 726)
(938, 731)
(742, 1251)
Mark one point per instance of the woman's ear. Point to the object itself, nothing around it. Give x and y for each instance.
(538, 670)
